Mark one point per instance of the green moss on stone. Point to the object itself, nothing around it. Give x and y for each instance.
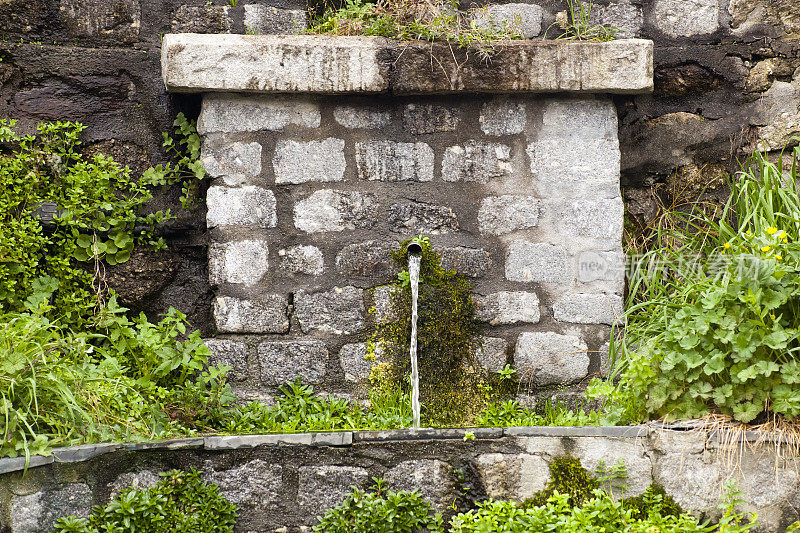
(567, 476)
(453, 386)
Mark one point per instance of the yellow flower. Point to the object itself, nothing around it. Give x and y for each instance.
(727, 245)
(778, 257)
(772, 316)
(747, 232)
(785, 238)
(780, 234)
(766, 248)
(771, 230)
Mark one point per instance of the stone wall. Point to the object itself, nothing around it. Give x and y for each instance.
(282, 482)
(518, 193)
(724, 75)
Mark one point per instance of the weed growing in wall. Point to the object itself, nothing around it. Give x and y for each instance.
(181, 501)
(413, 19)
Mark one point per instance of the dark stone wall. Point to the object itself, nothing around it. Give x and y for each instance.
(724, 72)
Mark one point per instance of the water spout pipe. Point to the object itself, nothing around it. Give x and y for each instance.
(414, 259)
(414, 249)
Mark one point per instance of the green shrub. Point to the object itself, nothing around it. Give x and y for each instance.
(713, 325)
(380, 511)
(181, 501)
(98, 215)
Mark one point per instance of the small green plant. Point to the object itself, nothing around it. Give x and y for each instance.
(380, 511)
(181, 501)
(579, 27)
(413, 19)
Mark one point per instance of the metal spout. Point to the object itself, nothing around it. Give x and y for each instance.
(414, 249)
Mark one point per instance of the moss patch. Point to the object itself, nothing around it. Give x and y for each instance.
(454, 388)
(567, 476)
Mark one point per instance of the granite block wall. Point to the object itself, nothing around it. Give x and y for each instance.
(520, 194)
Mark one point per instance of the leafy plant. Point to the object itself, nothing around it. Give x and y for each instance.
(181, 501)
(380, 511)
(715, 318)
(96, 215)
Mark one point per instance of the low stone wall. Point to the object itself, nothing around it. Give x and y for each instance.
(282, 482)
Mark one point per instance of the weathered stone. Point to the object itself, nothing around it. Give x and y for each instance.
(685, 18)
(304, 161)
(765, 481)
(525, 19)
(323, 487)
(136, 480)
(383, 303)
(243, 206)
(302, 260)
(429, 477)
(266, 315)
(550, 358)
(201, 19)
(254, 483)
(267, 20)
(352, 358)
(232, 113)
(694, 482)
(508, 308)
(625, 17)
(339, 311)
(598, 452)
(601, 266)
(237, 262)
(605, 358)
(763, 73)
(283, 361)
(248, 63)
(577, 150)
(499, 215)
(492, 353)
(622, 67)
(419, 217)
(37, 512)
(537, 262)
(362, 117)
(119, 20)
(420, 119)
(476, 162)
(394, 161)
(680, 80)
(469, 262)
(596, 219)
(329, 210)
(512, 476)
(778, 115)
(229, 353)
(143, 276)
(589, 308)
(781, 17)
(367, 259)
(236, 163)
(502, 116)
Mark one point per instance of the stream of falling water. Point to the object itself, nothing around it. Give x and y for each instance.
(413, 274)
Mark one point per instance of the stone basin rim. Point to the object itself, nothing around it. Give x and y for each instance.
(326, 64)
(85, 452)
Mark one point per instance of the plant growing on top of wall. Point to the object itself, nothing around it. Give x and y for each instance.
(578, 26)
(413, 19)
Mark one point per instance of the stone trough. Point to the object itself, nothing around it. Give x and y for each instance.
(281, 483)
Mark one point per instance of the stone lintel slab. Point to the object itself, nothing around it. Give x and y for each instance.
(193, 63)
(551, 66)
(322, 64)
